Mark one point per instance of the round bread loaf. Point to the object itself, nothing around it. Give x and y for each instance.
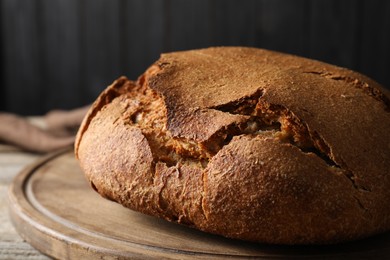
(245, 143)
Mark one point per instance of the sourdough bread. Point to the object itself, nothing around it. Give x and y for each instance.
(245, 143)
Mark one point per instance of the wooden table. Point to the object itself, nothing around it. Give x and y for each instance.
(12, 246)
(75, 232)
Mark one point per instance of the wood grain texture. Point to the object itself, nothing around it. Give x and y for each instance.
(12, 246)
(100, 38)
(19, 251)
(62, 54)
(2, 58)
(374, 51)
(281, 26)
(53, 208)
(143, 28)
(335, 23)
(22, 64)
(182, 35)
(233, 24)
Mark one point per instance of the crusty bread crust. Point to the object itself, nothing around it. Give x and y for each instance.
(245, 143)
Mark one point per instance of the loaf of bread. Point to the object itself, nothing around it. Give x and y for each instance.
(245, 143)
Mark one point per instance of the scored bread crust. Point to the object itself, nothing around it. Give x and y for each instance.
(245, 143)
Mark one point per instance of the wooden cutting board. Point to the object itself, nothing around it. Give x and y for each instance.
(54, 209)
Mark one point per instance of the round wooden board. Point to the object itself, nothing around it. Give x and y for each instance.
(54, 209)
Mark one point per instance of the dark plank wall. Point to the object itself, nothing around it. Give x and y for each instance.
(63, 53)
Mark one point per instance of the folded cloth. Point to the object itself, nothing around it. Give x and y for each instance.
(55, 130)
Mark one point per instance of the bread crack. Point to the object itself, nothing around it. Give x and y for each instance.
(297, 133)
(284, 124)
(242, 106)
(288, 128)
(373, 92)
(315, 144)
(144, 108)
(273, 120)
(353, 179)
(252, 126)
(361, 205)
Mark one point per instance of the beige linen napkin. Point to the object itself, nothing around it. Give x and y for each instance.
(55, 130)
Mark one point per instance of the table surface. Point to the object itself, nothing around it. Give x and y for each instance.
(12, 246)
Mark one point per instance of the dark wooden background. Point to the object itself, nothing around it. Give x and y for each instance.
(63, 53)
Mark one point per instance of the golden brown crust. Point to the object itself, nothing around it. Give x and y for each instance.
(245, 143)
